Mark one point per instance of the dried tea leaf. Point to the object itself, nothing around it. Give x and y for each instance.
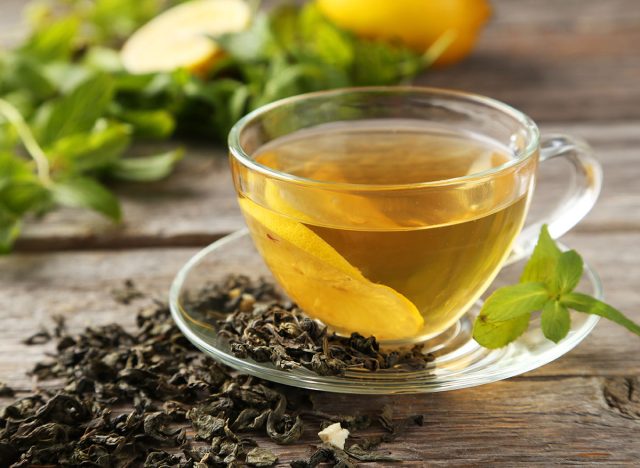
(363, 455)
(325, 454)
(127, 293)
(42, 336)
(5, 390)
(261, 457)
(263, 326)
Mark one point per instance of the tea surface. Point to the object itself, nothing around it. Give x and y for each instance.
(438, 248)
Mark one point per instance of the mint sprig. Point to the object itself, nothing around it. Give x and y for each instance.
(547, 285)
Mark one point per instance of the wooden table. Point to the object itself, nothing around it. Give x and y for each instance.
(574, 66)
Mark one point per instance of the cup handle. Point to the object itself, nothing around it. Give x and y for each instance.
(582, 191)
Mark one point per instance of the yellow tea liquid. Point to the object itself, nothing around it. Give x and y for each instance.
(439, 247)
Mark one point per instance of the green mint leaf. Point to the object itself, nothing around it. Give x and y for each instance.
(19, 72)
(84, 192)
(541, 267)
(21, 196)
(591, 305)
(83, 152)
(111, 21)
(250, 45)
(380, 63)
(55, 42)
(498, 334)
(323, 39)
(509, 302)
(9, 229)
(103, 59)
(238, 102)
(155, 124)
(555, 321)
(20, 190)
(67, 76)
(568, 272)
(75, 112)
(145, 169)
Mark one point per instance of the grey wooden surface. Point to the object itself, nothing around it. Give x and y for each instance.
(572, 65)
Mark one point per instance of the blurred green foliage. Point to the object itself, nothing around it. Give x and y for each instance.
(69, 111)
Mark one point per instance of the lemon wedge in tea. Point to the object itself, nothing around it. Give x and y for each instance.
(323, 283)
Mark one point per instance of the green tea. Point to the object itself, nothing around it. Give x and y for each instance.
(437, 244)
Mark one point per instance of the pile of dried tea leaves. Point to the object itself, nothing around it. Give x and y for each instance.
(149, 398)
(260, 324)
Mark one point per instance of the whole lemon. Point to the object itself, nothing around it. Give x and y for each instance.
(416, 23)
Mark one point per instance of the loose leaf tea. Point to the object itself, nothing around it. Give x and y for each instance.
(147, 397)
(260, 324)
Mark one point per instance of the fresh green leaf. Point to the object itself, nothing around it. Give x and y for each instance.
(568, 273)
(238, 102)
(494, 335)
(55, 42)
(9, 230)
(323, 39)
(253, 44)
(156, 124)
(75, 112)
(22, 73)
(145, 169)
(114, 20)
(506, 313)
(22, 196)
(541, 266)
(83, 152)
(379, 63)
(13, 168)
(103, 59)
(67, 76)
(83, 192)
(555, 321)
(591, 305)
(509, 302)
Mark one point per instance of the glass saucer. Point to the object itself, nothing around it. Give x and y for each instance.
(459, 361)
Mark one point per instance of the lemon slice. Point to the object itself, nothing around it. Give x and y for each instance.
(179, 37)
(324, 283)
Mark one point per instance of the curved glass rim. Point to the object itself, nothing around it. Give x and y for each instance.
(533, 136)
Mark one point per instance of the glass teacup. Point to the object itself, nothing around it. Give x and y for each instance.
(389, 211)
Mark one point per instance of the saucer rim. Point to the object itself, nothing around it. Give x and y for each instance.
(374, 386)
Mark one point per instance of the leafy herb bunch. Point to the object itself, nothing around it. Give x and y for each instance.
(71, 116)
(547, 284)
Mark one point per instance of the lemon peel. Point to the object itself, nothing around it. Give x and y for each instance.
(180, 36)
(324, 283)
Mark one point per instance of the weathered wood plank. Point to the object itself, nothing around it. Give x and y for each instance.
(193, 207)
(197, 205)
(33, 287)
(557, 61)
(11, 25)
